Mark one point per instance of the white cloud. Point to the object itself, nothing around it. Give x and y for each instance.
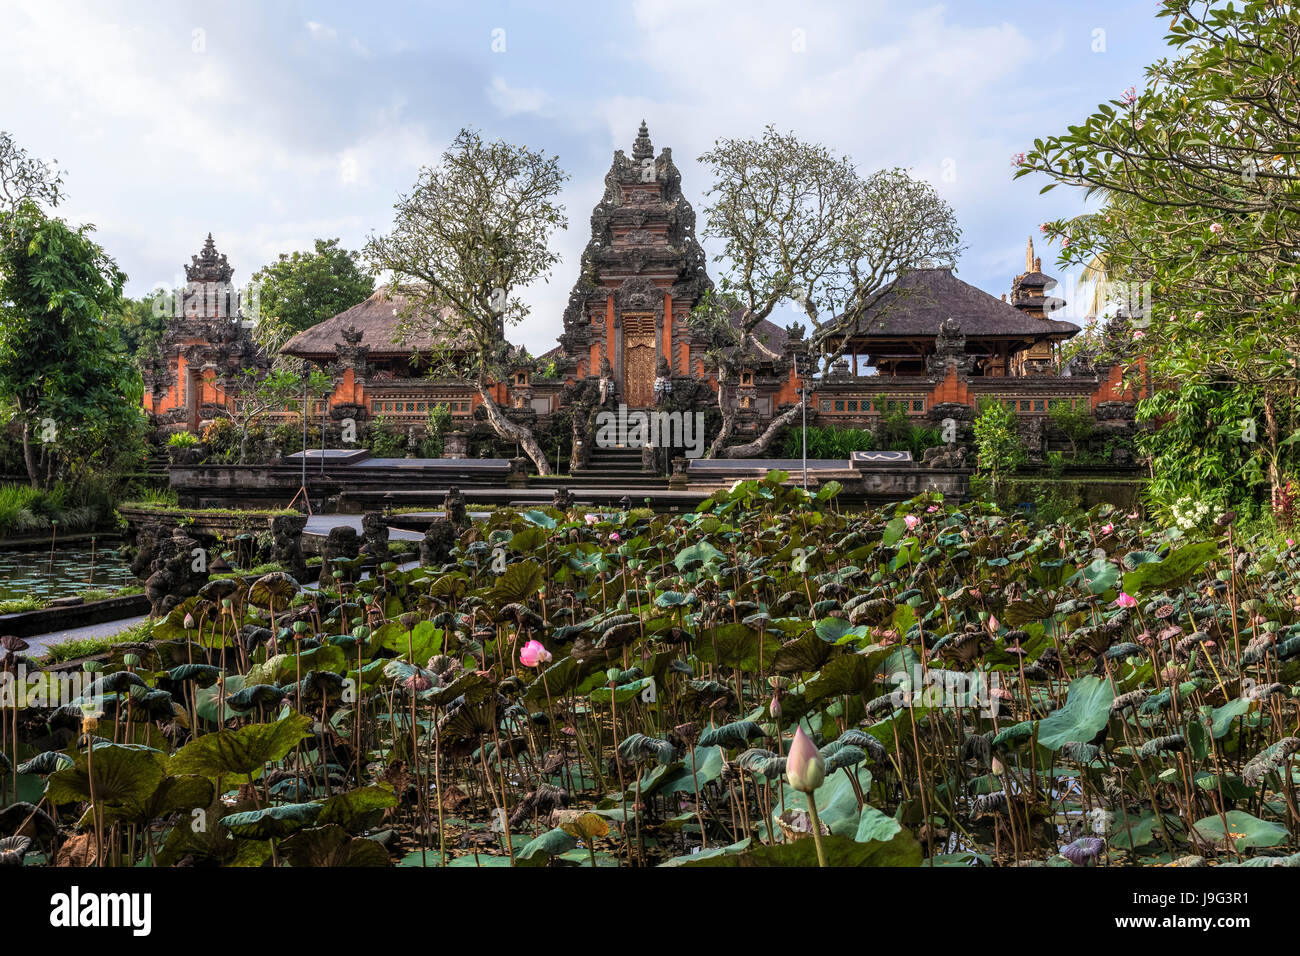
(511, 100)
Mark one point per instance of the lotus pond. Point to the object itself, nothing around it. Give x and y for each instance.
(949, 686)
(63, 571)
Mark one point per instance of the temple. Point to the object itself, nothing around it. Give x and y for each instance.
(932, 346)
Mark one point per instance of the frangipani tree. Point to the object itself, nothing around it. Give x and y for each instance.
(473, 231)
(1200, 222)
(801, 226)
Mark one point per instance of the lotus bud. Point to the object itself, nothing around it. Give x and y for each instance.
(189, 622)
(301, 627)
(998, 768)
(612, 675)
(774, 708)
(805, 766)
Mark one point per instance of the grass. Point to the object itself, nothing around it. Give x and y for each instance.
(29, 603)
(31, 511)
(90, 646)
(146, 505)
(19, 605)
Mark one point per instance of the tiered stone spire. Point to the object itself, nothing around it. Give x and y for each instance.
(642, 148)
(209, 265)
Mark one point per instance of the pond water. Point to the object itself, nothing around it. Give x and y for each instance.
(71, 570)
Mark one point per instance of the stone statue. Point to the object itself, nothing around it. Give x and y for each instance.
(606, 380)
(341, 544)
(453, 504)
(663, 380)
(437, 544)
(374, 532)
(286, 544)
(176, 573)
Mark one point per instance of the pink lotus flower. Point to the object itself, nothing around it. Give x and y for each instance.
(591, 519)
(1126, 600)
(189, 621)
(1290, 542)
(533, 654)
(613, 536)
(911, 521)
(1107, 528)
(993, 624)
(1132, 516)
(932, 509)
(805, 767)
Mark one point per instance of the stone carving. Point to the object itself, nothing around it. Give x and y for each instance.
(174, 574)
(663, 386)
(437, 544)
(147, 538)
(453, 504)
(949, 351)
(286, 544)
(341, 544)
(374, 533)
(562, 499)
(944, 456)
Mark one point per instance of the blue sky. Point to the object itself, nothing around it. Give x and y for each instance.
(273, 124)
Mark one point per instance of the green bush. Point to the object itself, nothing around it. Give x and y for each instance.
(827, 442)
(182, 440)
(29, 511)
(386, 439)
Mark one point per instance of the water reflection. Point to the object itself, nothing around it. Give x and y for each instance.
(24, 573)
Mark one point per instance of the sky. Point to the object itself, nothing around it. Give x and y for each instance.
(270, 125)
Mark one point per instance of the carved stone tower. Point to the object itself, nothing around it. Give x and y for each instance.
(642, 273)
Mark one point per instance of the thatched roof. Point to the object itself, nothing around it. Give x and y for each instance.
(377, 319)
(918, 302)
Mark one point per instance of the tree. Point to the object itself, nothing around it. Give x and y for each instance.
(1074, 423)
(1202, 192)
(473, 231)
(24, 178)
(254, 396)
(999, 450)
(60, 362)
(302, 289)
(801, 226)
(139, 326)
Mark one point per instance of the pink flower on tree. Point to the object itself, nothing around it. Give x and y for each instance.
(533, 654)
(1216, 228)
(1130, 96)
